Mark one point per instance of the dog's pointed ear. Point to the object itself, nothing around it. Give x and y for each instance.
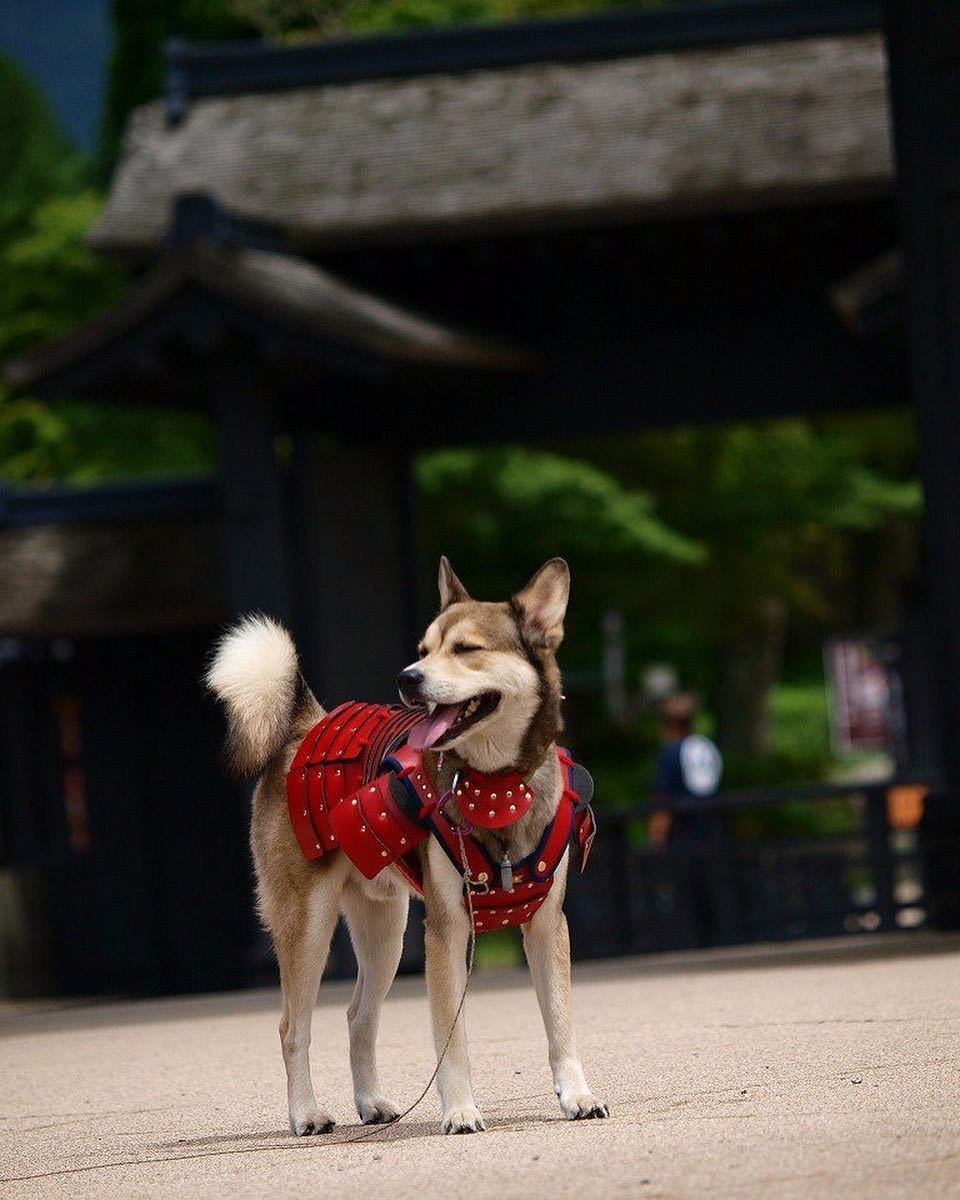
(542, 604)
(452, 590)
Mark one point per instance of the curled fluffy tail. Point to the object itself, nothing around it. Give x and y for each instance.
(254, 671)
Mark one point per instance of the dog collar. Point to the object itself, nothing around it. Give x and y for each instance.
(490, 800)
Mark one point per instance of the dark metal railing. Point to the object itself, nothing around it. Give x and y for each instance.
(768, 867)
(761, 867)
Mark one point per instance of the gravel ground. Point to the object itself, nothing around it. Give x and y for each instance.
(824, 1070)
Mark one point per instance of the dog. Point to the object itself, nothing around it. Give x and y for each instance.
(489, 688)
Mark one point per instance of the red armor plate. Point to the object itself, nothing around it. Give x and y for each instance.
(343, 789)
(340, 754)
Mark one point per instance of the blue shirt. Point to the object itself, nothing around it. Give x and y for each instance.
(688, 767)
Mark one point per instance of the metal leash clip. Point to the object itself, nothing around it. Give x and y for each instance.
(464, 826)
(471, 886)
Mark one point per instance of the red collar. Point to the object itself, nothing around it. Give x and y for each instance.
(490, 800)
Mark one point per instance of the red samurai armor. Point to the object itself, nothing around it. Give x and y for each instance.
(355, 784)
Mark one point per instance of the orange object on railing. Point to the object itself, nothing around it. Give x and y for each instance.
(905, 805)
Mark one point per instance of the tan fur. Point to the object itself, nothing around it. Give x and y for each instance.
(299, 901)
(499, 665)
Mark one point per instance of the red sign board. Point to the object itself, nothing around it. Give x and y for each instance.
(865, 692)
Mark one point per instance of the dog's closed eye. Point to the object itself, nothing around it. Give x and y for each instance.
(465, 648)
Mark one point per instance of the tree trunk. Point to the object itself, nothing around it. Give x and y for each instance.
(749, 668)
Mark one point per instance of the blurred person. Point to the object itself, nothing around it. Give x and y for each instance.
(689, 766)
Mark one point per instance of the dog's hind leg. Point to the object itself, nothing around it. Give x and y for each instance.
(546, 943)
(376, 930)
(302, 945)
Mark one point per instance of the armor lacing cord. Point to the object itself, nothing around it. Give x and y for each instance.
(372, 1132)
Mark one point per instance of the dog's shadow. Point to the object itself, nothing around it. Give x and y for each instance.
(342, 1135)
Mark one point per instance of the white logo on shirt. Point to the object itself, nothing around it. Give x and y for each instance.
(701, 765)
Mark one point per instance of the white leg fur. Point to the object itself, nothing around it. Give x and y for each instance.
(376, 930)
(447, 936)
(546, 943)
(302, 954)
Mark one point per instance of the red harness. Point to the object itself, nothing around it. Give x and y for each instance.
(355, 784)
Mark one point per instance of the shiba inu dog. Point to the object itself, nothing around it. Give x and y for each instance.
(489, 686)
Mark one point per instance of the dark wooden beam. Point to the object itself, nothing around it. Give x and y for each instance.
(355, 544)
(132, 501)
(251, 503)
(924, 51)
(924, 42)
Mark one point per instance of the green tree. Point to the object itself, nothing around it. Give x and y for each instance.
(50, 281)
(49, 278)
(35, 158)
(781, 507)
(90, 443)
(500, 512)
(323, 18)
(735, 531)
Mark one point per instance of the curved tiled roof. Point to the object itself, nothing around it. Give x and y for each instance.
(287, 291)
(539, 145)
(72, 580)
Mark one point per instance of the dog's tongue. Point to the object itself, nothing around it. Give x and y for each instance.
(432, 728)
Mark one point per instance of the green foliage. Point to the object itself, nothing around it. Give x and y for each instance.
(775, 503)
(90, 443)
(35, 158)
(500, 512)
(49, 279)
(801, 731)
(49, 282)
(323, 18)
(835, 817)
(509, 505)
(499, 948)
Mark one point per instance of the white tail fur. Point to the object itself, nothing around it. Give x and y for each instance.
(255, 673)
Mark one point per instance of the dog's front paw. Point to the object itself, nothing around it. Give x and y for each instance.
(376, 1110)
(582, 1106)
(315, 1121)
(465, 1119)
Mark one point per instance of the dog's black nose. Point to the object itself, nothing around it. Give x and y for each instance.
(409, 681)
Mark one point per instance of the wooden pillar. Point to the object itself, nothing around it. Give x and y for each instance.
(355, 550)
(254, 550)
(252, 520)
(924, 49)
